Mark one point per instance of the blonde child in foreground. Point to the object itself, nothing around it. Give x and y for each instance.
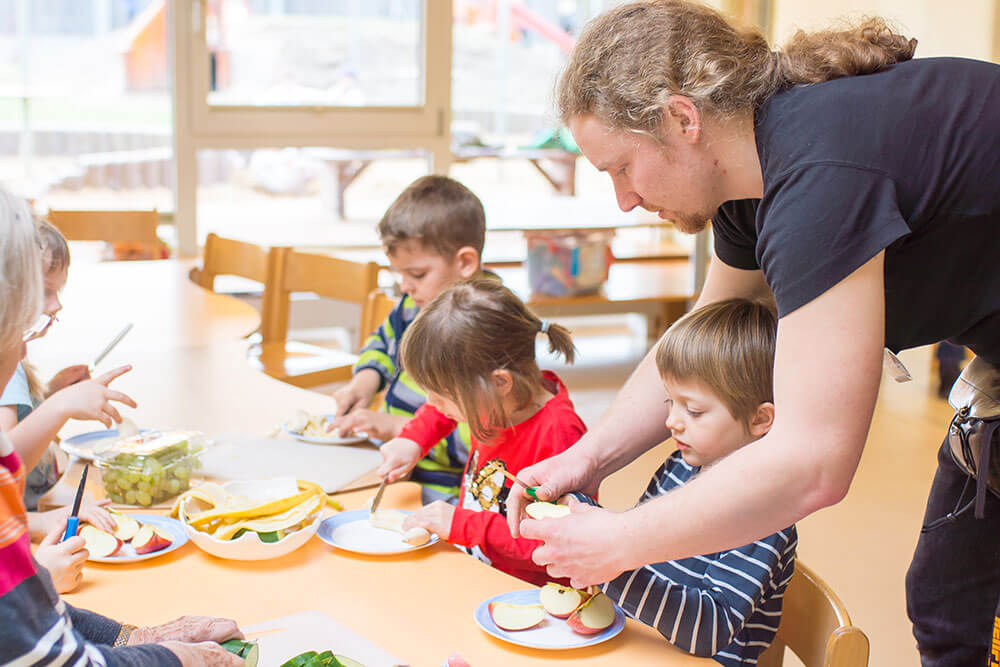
(32, 413)
(433, 235)
(473, 349)
(716, 364)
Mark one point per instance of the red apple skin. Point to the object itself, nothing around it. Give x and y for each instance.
(577, 625)
(118, 542)
(156, 541)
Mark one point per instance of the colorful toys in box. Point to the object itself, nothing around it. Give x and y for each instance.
(568, 262)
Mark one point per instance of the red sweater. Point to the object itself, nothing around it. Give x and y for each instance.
(480, 522)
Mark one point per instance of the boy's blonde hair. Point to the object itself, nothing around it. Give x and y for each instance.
(439, 212)
(729, 347)
(470, 330)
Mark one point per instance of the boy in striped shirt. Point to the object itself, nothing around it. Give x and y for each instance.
(433, 235)
(716, 364)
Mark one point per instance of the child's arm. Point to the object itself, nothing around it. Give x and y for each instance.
(84, 400)
(702, 613)
(377, 364)
(417, 437)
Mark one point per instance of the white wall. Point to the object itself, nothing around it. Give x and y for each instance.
(942, 28)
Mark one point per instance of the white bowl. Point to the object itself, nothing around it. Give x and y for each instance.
(248, 546)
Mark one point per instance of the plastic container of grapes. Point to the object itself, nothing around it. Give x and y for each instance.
(152, 467)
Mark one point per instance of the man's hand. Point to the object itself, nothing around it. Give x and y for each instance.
(203, 654)
(552, 479)
(587, 547)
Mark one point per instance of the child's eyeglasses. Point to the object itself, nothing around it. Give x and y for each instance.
(40, 326)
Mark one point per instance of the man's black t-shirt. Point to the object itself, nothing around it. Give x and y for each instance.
(906, 160)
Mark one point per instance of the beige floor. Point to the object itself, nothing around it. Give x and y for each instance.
(861, 546)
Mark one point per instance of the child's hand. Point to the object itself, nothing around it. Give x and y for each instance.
(63, 560)
(92, 513)
(436, 518)
(376, 425)
(91, 399)
(68, 376)
(399, 456)
(358, 393)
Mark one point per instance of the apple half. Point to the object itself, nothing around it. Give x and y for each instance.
(543, 510)
(514, 617)
(593, 616)
(559, 600)
(127, 527)
(151, 538)
(100, 543)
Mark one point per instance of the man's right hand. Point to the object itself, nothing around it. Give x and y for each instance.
(552, 478)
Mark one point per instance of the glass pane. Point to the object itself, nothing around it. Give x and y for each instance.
(315, 52)
(85, 111)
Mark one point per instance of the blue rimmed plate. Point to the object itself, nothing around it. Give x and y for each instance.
(351, 531)
(551, 634)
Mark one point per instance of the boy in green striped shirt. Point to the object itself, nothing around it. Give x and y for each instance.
(433, 235)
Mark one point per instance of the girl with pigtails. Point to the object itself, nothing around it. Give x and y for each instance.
(473, 349)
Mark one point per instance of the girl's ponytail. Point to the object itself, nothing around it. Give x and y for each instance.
(560, 340)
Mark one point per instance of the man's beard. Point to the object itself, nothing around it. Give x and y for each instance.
(690, 223)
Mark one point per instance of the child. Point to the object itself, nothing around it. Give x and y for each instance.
(716, 364)
(433, 235)
(70, 394)
(473, 349)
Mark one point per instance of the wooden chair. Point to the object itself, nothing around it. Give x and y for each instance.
(110, 226)
(377, 307)
(292, 271)
(229, 257)
(816, 627)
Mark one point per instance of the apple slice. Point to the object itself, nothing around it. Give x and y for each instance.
(393, 520)
(100, 543)
(515, 617)
(542, 510)
(559, 600)
(594, 615)
(127, 526)
(150, 539)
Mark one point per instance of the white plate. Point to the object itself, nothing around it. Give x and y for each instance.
(127, 554)
(87, 446)
(552, 633)
(351, 531)
(324, 440)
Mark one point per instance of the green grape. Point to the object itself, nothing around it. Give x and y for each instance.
(110, 476)
(144, 498)
(173, 486)
(182, 472)
(132, 477)
(116, 497)
(130, 496)
(144, 485)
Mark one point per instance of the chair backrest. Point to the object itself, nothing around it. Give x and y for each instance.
(110, 226)
(815, 626)
(229, 257)
(323, 275)
(377, 307)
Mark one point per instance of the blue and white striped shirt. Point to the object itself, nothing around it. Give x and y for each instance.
(726, 605)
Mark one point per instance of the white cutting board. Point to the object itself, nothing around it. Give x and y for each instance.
(313, 631)
(241, 457)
